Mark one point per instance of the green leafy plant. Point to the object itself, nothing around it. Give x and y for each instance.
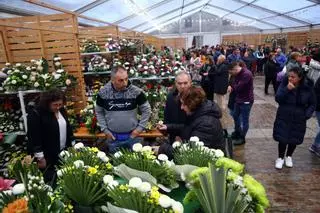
(216, 196)
(90, 46)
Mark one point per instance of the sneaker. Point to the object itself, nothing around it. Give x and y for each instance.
(288, 161)
(279, 163)
(315, 150)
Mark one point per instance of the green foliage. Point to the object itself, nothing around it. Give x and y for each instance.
(90, 46)
(6, 198)
(228, 163)
(216, 196)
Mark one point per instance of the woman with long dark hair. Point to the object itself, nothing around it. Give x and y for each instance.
(49, 131)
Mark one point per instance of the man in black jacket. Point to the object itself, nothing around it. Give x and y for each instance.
(173, 115)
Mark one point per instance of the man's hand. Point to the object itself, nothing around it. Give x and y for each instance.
(110, 136)
(162, 127)
(42, 163)
(290, 86)
(229, 89)
(135, 133)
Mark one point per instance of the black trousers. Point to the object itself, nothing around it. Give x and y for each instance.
(282, 147)
(275, 84)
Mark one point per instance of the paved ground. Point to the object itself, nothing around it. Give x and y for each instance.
(295, 190)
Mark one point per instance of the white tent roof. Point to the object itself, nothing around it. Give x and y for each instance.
(150, 15)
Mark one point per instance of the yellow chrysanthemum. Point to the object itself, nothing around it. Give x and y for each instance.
(123, 187)
(94, 149)
(92, 170)
(109, 166)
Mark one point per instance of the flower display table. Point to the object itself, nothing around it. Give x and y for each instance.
(83, 133)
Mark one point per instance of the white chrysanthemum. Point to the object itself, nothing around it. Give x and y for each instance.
(118, 154)
(238, 181)
(8, 64)
(163, 73)
(131, 71)
(59, 173)
(165, 201)
(160, 122)
(64, 153)
(47, 84)
(101, 154)
(137, 147)
(57, 63)
(7, 192)
(176, 144)
(57, 76)
(200, 143)
(40, 68)
(107, 179)
(177, 207)
(194, 139)
(145, 72)
(145, 187)
(78, 145)
(135, 182)
(145, 67)
(13, 82)
(60, 71)
(18, 64)
(218, 153)
(78, 163)
(113, 184)
(163, 157)
(146, 149)
(28, 68)
(18, 189)
(140, 65)
(36, 84)
(32, 78)
(105, 159)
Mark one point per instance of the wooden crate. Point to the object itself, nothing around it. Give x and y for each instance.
(175, 43)
(99, 34)
(43, 36)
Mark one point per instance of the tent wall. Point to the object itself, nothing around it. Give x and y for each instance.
(175, 43)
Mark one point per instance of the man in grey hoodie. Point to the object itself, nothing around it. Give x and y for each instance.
(117, 107)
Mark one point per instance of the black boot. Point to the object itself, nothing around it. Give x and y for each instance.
(235, 135)
(241, 140)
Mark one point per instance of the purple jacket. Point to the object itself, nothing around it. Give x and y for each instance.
(243, 87)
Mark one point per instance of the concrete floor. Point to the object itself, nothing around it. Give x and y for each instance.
(294, 190)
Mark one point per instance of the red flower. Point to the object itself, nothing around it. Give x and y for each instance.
(5, 184)
(149, 86)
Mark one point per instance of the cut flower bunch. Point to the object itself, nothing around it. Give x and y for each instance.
(142, 161)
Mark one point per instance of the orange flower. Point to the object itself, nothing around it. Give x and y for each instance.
(17, 206)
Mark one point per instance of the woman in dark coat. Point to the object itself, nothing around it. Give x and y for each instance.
(207, 77)
(202, 121)
(296, 100)
(49, 131)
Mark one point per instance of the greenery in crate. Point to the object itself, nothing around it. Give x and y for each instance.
(141, 197)
(90, 46)
(142, 158)
(81, 174)
(220, 189)
(194, 153)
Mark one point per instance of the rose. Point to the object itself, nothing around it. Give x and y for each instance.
(68, 82)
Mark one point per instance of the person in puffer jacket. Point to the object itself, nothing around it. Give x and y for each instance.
(314, 66)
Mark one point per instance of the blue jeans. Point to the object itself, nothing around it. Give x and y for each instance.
(241, 115)
(114, 145)
(317, 139)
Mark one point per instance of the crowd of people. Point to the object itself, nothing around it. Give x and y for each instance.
(216, 79)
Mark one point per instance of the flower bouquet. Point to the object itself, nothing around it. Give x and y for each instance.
(40, 66)
(139, 196)
(97, 64)
(144, 164)
(112, 45)
(81, 175)
(90, 119)
(17, 78)
(90, 46)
